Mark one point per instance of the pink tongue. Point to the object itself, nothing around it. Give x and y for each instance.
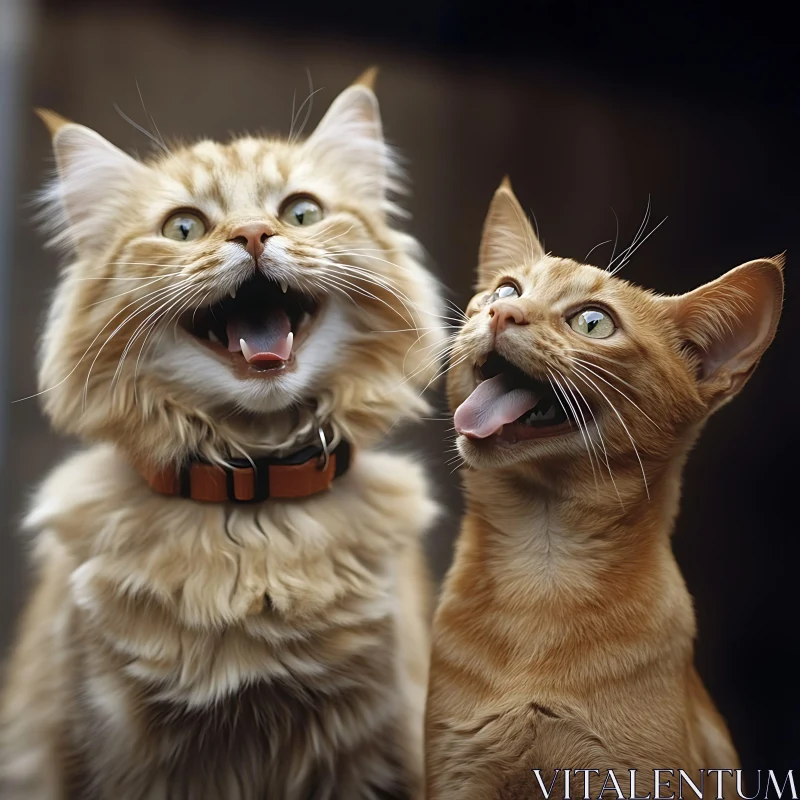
(266, 335)
(494, 403)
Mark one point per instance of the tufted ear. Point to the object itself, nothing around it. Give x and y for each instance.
(93, 176)
(350, 136)
(508, 238)
(728, 324)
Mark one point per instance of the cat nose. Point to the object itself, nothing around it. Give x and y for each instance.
(252, 236)
(503, 313)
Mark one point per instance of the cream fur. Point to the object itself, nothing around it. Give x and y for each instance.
(164, 602)
(179, 649)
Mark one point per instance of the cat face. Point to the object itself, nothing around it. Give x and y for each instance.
(245, 280)
(561, 361)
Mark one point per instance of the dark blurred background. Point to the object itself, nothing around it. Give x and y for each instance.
(589, 107)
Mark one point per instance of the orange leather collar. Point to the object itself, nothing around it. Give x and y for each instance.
(302, 474)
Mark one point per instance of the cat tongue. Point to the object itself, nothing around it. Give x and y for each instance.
(261, 335)
(494, 402)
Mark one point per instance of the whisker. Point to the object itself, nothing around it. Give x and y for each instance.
(428, 363)
(586, 257)
(152, 120)
(120, 278)
(631, 251)
(572, 385)
(141, 129)
(575, 412)
(181, 302)
(616, 239)
(128, 291)
(640, 230)
(323, 285)
(388, 284)
(141, 326)
(606, 459)
(444, 372)
(324, 243)
(587, 366)
(85, 353)
(456, 309)
(586, 352)
(190, 300)
(293, 137)
(622, 422)
(379, 281)
(365, 293)
(430, 329)
(364, 254)
(167, 292)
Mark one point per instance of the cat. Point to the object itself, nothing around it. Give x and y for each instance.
(563, 638)
(250, 300)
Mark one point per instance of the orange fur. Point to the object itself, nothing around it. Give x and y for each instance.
(564, 634)
(180, 649)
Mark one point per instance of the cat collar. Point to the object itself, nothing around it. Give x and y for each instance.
(301, 474)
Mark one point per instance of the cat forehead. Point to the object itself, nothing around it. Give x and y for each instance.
(563, 282)
(230, 175)
(552, 276)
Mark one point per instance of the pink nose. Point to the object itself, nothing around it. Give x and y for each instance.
(252, 236)
(503, 313)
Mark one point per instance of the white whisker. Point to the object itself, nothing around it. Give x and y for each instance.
(586, 365)
(622, 422)
(577, 414)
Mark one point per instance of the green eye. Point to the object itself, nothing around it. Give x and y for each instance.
(502, 291)
(593, 323)
(184, 226)
(302, 211)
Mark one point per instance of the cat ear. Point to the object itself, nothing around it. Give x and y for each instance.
(350, 139)
(93, 175)
(508, 238)
(729, 323)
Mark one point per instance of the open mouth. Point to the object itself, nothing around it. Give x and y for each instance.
(259, 326)
(511, 405)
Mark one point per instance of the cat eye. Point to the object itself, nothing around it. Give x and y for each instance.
(503, 291)
(184, 226)
(301, 211)
(593, 322)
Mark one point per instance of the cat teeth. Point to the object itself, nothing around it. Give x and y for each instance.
(542, 416)
(214, 338)
(284, 285)
(232, 293)
(247, 351)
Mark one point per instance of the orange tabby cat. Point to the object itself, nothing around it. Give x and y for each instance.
(266, 634)
(564, 635)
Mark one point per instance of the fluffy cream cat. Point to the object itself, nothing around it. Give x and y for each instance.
(244, 300)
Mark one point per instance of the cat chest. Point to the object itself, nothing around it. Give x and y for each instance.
(265, 735)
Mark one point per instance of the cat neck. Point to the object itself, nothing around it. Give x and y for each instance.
(174, 432)
(569, 584)
(562, 533)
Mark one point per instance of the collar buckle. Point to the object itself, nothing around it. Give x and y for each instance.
(325, 456)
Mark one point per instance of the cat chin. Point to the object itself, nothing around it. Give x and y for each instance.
(494, 453)
(180, 359)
